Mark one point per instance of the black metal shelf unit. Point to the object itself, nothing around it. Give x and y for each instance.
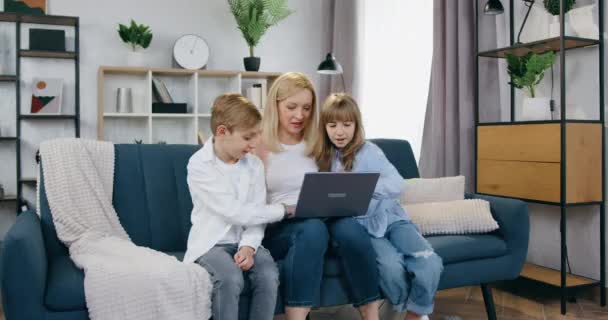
(566, 281)
(20, 53)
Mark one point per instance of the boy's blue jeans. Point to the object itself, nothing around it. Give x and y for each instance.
(302, 245)
(229, 281)
(409, 268)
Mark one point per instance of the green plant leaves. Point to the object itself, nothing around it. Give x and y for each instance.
(254, 17)
(552, 6)
(527, 71)
(135, 34)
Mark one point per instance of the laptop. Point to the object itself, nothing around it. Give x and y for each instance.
(332, 194)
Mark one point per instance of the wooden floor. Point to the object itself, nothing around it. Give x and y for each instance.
(515, 300)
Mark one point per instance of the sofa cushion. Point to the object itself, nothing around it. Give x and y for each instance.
(65, 286)
(399, 153)
(151, 195)
(461, 248)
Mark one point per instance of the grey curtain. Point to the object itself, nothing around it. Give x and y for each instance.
(345, 41)
(448, 137)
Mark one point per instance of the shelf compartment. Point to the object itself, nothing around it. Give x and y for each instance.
(126, 129)
(539, 47)
(553, 277)
(173, 130)
(48, 54)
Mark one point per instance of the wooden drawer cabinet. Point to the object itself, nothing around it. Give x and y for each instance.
(524, 161)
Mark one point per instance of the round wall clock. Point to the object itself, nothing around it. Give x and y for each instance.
(191, 52)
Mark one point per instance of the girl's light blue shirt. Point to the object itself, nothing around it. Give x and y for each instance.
(384, 208)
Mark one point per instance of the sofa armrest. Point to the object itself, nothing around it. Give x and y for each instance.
(514, 222)
(24, 269)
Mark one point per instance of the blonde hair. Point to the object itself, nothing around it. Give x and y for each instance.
(284, 87)
(338, 107)
(234, 112)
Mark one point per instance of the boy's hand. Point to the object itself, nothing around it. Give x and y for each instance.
(244, 258)
(290, 211)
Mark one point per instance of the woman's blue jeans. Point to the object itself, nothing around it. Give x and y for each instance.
(302, 245)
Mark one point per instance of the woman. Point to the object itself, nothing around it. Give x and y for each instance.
(289, 126)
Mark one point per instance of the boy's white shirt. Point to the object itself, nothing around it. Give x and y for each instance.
(216, 207)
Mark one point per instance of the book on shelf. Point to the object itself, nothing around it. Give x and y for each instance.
(161, 93)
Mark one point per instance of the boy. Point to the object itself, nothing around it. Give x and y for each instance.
(229, 212)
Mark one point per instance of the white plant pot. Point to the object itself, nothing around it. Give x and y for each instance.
(135, 58)
(554, 27)
(536, 109)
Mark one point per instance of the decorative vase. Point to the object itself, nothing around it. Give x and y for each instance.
(535, 109)
(252, 63)
(554, 27)
(135, 58)
(124, 100)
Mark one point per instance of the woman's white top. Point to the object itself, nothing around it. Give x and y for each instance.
(285, 173)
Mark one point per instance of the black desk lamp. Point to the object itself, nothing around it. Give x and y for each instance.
(494, 7)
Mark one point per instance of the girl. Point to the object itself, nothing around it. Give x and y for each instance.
(409, 269)
(288, 130)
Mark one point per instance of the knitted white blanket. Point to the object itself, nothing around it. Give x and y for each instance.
(122, 280)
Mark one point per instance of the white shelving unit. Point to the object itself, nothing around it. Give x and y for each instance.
(196, 88)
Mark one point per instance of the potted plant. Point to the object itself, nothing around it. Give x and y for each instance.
(253, 18)
(552, 7)
(526, 72)
(136, 36)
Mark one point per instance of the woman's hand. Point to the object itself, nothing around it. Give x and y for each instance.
(244, 258)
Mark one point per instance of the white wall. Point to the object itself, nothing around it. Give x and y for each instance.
(297, 44)
(395, 74)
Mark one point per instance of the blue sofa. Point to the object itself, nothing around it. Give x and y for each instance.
(39, 281)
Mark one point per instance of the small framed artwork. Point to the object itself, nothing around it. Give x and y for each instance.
(46, 95)
(35, 7)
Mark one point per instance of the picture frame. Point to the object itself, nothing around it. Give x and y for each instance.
(34, 7)
(46, 96)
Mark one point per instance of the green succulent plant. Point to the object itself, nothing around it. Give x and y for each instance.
(528, 70)
(254, 17)
(135, 35)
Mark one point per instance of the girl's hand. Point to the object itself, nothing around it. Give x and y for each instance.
(244, 258)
